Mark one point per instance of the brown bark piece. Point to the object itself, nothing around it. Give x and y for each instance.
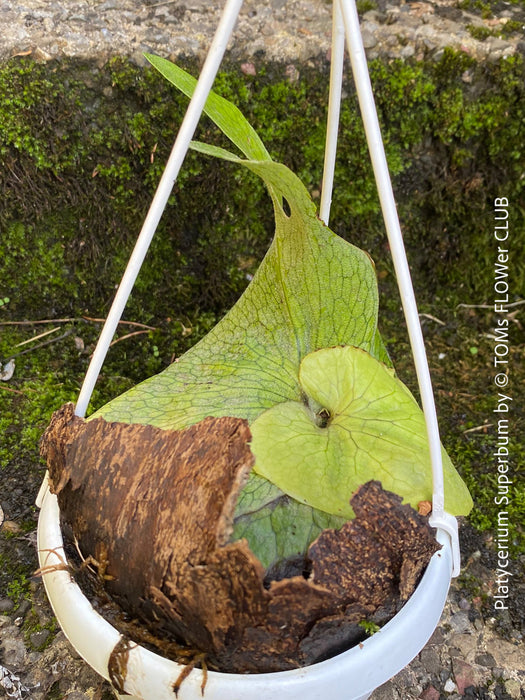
(336, 633)
(160, 503)
(210, 604)
(388, 544)
(350, 563)
(295, 604)
(155, 508)
(401, 530)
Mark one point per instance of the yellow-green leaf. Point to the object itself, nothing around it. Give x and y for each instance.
(356, 422)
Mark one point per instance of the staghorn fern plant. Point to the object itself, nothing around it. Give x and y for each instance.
(301, 358)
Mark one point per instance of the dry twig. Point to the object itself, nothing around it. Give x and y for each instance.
(125, 337)
(489, 306)
(37, 337)
(74, 320)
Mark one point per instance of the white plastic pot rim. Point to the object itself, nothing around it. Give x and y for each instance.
(351, 675)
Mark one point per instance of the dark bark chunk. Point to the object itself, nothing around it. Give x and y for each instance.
(400, 529)
(334, 634)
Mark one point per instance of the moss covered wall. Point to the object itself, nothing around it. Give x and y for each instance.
(82, 147)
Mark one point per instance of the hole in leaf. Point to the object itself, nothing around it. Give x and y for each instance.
(286, 207)
(322, 418)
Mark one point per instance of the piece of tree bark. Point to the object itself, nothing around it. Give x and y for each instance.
(155, 509)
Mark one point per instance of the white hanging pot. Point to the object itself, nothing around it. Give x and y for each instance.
(351, 675)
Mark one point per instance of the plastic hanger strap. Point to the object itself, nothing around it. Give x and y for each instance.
(348, 10)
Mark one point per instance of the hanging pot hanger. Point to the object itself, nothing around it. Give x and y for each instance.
(345, 27)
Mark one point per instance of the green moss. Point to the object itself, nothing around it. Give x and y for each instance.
(18, 589)
(15, 576)
(119, 128)
(510, 28)
(484, 7)
(365, 6)
(369, 627)
(480, 33)
(32, 624)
